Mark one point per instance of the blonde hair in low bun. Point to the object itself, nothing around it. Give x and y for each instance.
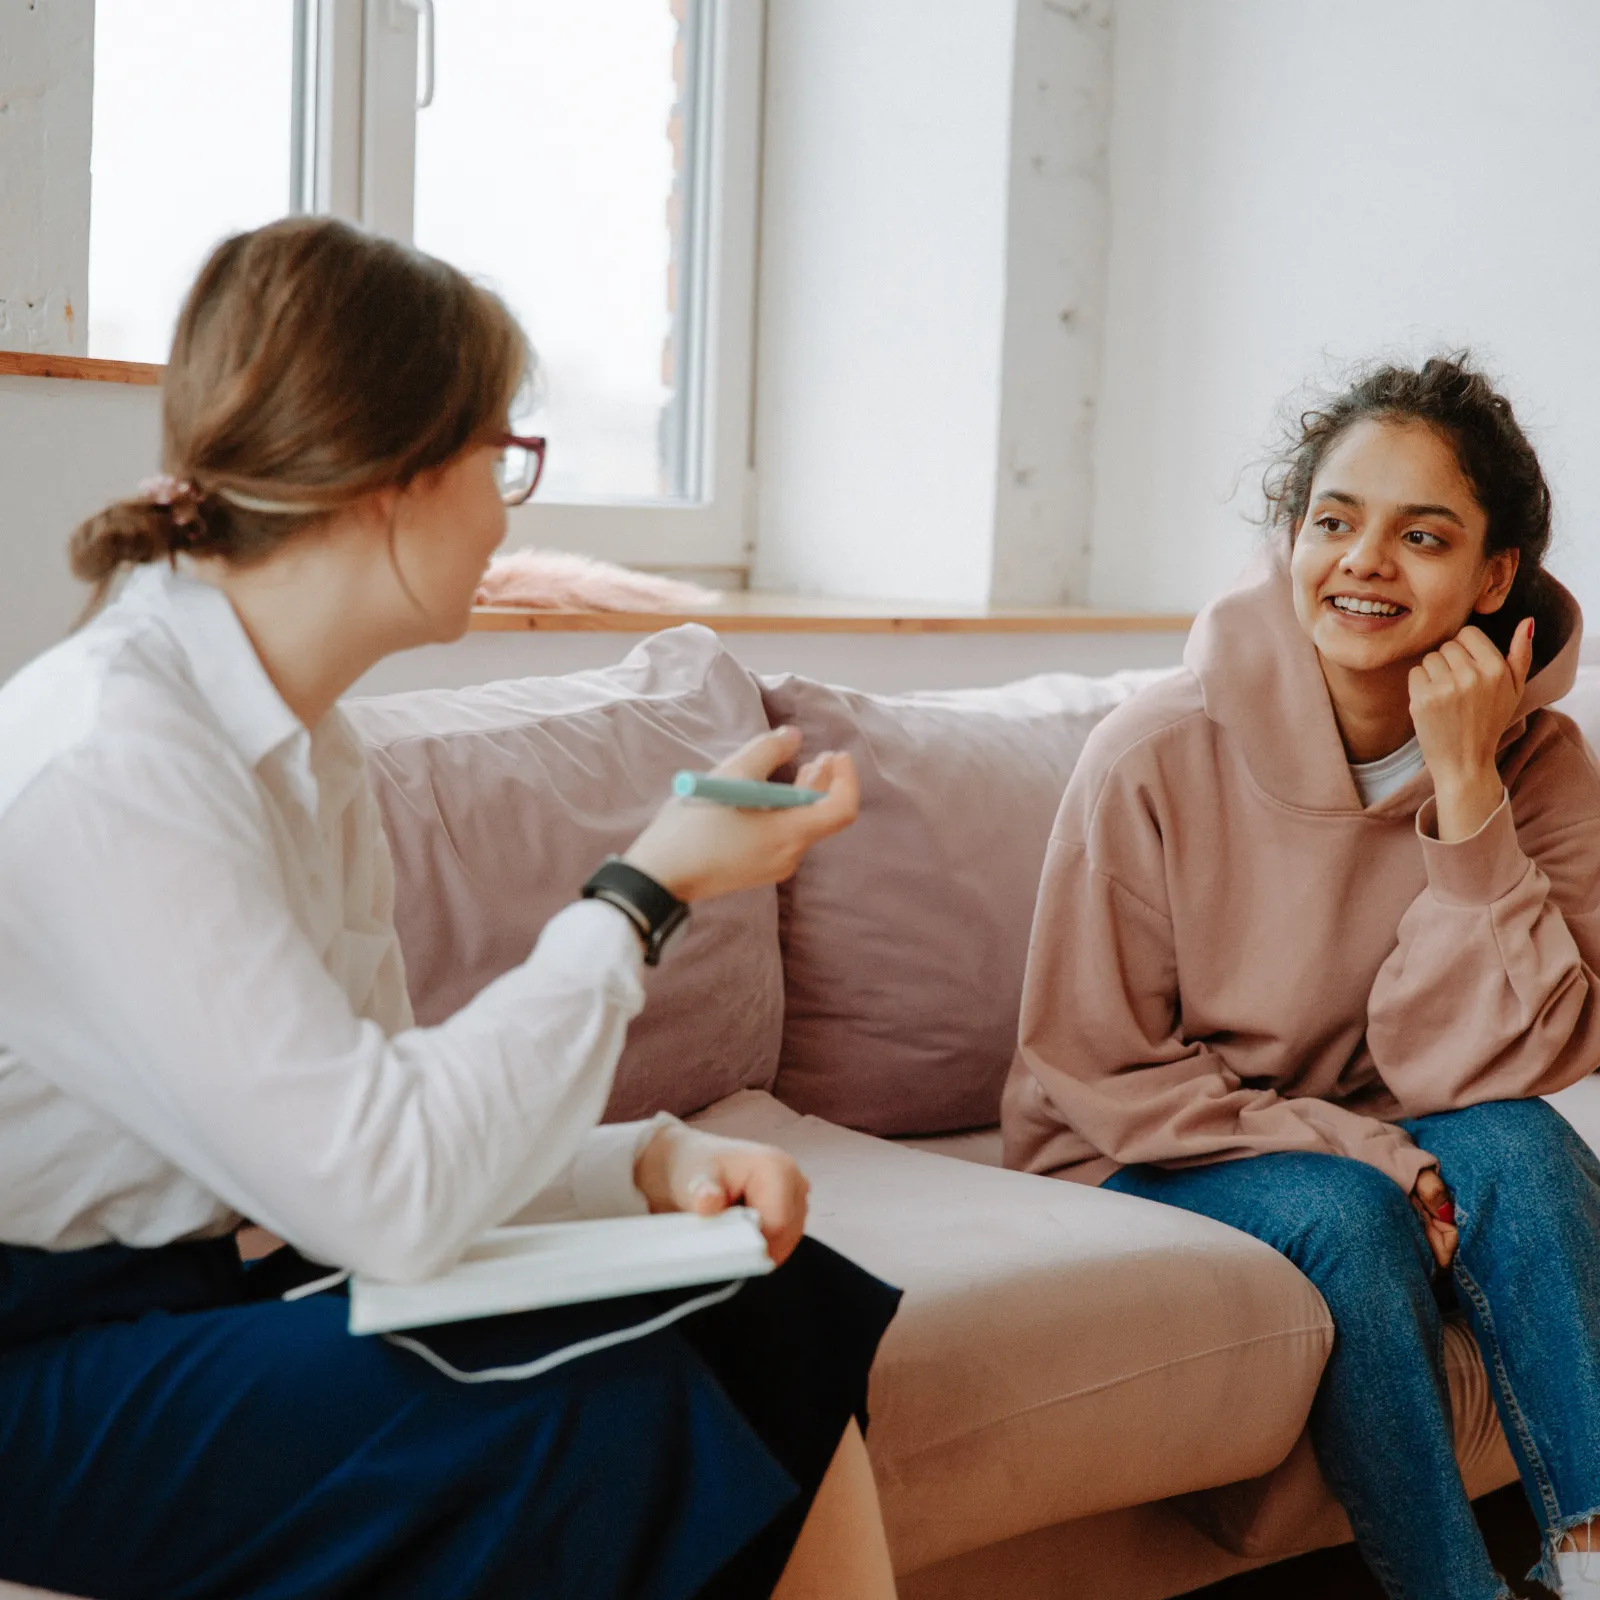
(313, 364)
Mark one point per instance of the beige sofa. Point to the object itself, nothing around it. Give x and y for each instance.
(1083, 1393)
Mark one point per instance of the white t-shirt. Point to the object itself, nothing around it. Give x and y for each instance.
(202, 990)
(1377, 780)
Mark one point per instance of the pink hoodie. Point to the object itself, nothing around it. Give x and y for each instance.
(1230, 956)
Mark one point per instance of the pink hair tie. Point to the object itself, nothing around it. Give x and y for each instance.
(163, 490)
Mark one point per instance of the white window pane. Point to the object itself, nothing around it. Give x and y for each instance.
(193, 103)
(546, 167)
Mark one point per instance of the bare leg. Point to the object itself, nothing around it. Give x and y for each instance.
(1584, 1538)
(841, 1553)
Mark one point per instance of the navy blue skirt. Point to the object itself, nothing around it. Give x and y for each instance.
(170, 1428)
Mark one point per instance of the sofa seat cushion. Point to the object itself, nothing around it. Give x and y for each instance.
(1291, 1509)
(1061, 1350)
(499, 802)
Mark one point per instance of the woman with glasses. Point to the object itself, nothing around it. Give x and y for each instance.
(204, 1022)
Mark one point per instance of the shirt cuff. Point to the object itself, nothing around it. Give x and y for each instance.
(1478, 870)
(602, 1170)
(596, 943)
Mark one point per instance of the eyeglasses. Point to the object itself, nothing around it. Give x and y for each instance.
(519, 466)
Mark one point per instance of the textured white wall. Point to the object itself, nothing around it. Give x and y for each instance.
(1057, 235)
(1300, 186)
(46, 90)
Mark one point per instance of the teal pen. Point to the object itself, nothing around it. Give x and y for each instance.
(744, 793)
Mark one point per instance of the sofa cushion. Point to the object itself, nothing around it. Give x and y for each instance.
(905, 937)
(1291, 1509)
(500, 801)
(1061, 1350)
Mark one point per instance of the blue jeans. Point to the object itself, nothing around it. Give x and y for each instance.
(1527, 1275)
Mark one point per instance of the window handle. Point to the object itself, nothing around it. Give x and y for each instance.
(427, 24)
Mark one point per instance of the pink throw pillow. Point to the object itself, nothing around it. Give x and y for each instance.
(500, 801)
(905, 937)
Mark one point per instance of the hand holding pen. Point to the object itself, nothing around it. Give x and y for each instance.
(719, 840)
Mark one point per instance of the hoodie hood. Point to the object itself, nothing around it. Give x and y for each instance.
(1262, 682)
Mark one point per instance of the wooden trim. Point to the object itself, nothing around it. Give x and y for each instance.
(779, 614)
(24, 364)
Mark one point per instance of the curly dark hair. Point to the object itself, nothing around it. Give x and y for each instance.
(1459, 403)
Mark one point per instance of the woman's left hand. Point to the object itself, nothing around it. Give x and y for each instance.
(684, 1169)
(1463, 697)
(1437, 1209)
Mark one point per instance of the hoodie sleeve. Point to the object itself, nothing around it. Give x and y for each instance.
(1102, 1065)
(1490, 992)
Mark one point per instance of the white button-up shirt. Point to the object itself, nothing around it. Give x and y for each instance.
(203, 1012)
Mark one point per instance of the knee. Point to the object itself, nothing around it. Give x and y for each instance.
(1521, 1149)
(1513, 1132)
(1358, 1231)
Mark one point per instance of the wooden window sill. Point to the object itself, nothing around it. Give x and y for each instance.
(757, 612)
(753, 612)
(24, 364)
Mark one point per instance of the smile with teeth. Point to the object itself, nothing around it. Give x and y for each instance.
(1365, 608)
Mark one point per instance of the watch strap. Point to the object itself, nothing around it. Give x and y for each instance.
(655, 911)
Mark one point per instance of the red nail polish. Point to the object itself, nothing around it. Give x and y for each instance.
(1446, 1214)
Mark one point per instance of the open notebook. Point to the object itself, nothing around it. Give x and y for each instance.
(562, 1263)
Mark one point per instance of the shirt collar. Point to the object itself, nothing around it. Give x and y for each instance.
(226, 669)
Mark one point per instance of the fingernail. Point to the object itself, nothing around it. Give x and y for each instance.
(1446, 1213)
(704, 1186)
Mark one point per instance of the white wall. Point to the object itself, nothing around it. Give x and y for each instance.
(67, 448)
(1300, 185)
(932, 256)
(880, 662)
(46, 86)
(881, 295)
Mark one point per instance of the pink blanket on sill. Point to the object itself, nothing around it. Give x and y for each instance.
(555, 580)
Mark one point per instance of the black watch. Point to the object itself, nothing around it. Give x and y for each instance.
(655, 912)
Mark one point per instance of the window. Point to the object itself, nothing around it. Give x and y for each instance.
(596, 163)
(193, 104)
(546, 164)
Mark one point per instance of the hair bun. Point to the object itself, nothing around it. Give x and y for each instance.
(128, 533)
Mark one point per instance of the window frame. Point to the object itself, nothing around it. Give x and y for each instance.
(360, 125)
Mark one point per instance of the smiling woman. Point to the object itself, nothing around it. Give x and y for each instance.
(1478, 486)
(1321, 924)
(1419, 517)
